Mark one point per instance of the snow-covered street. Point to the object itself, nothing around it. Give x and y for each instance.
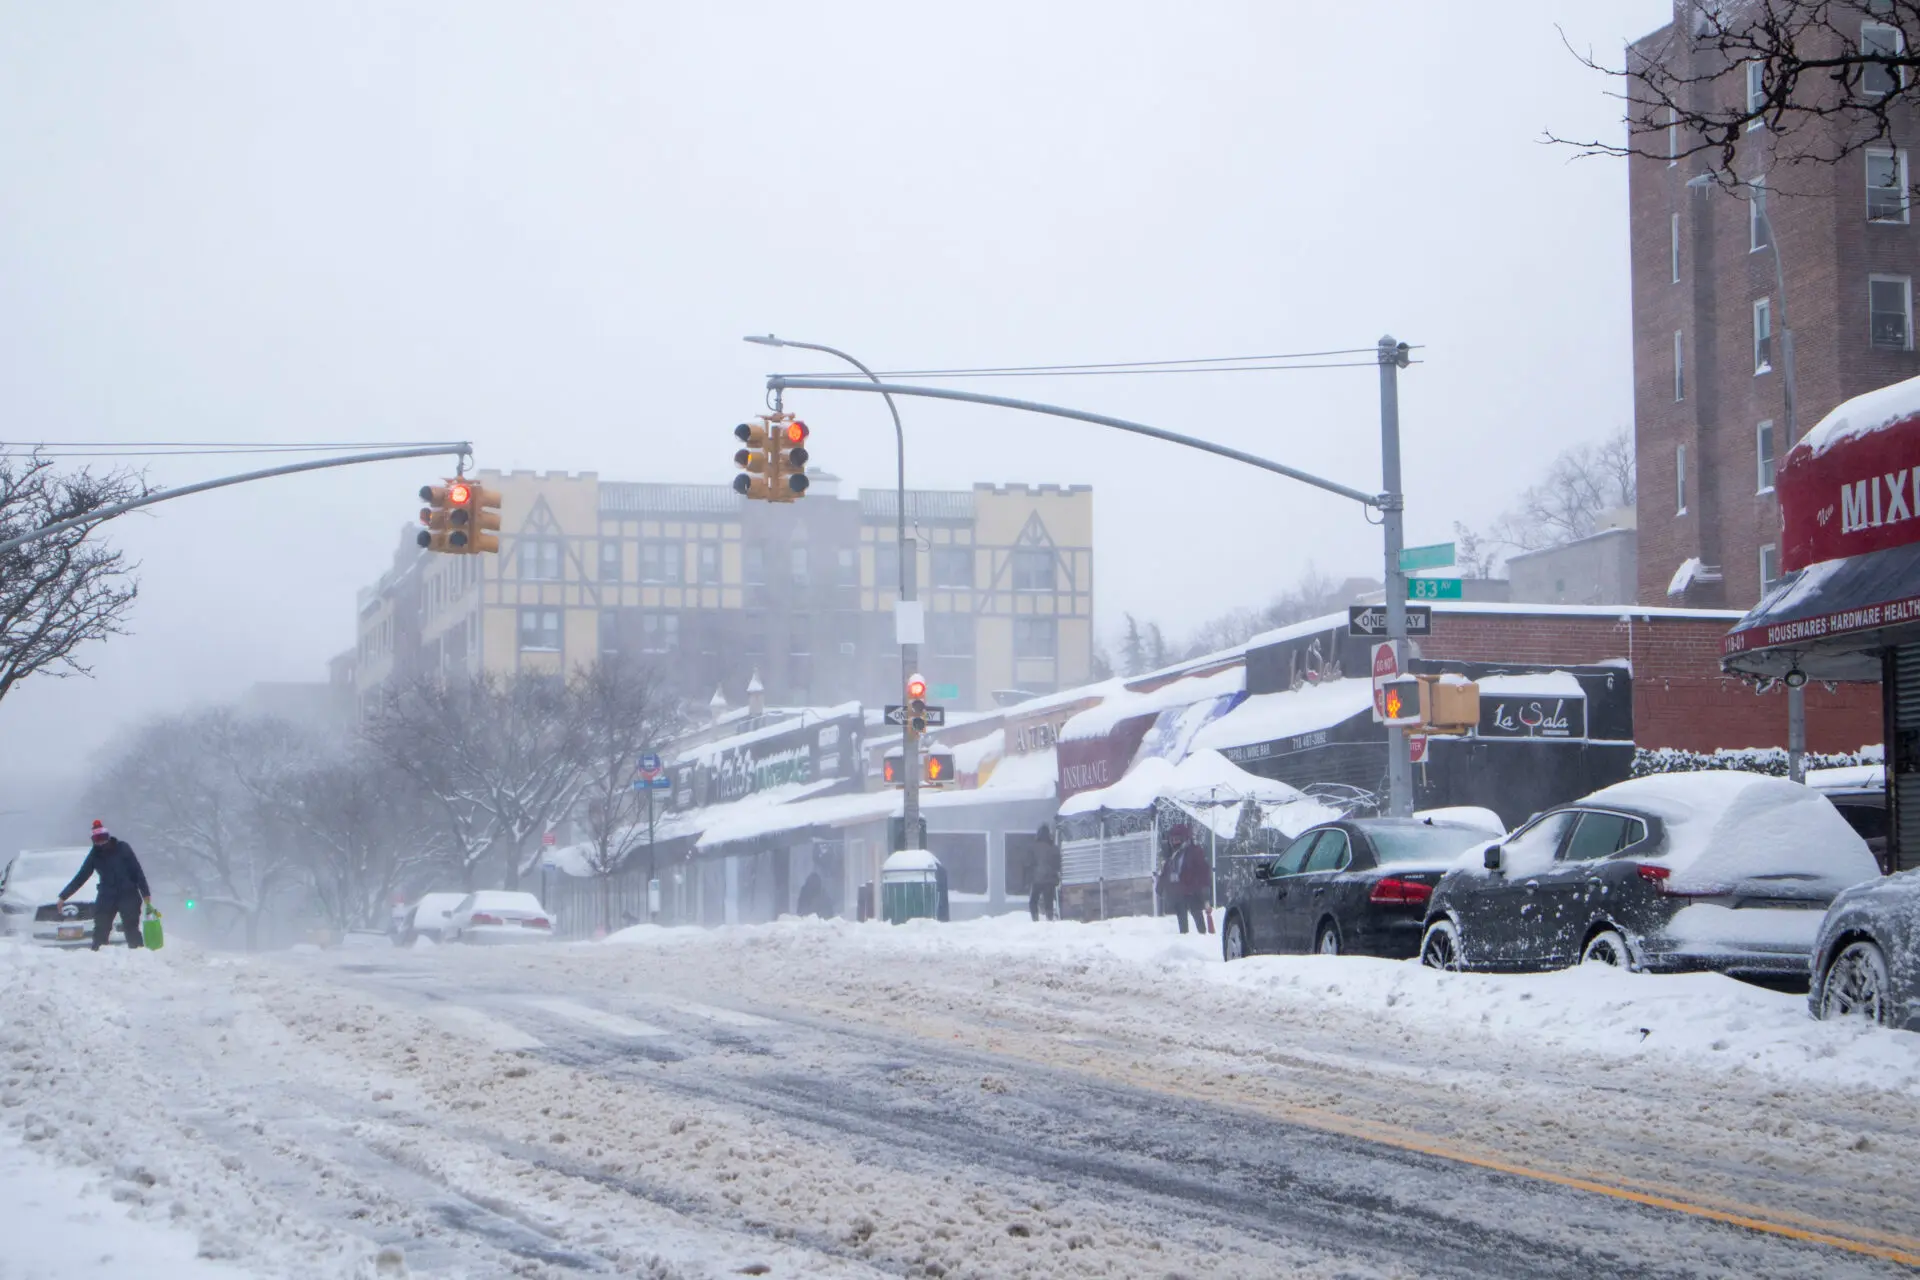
(987, 1099)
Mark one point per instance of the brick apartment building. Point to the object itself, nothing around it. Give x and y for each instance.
(1709, 417)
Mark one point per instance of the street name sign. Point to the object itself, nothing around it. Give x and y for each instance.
(1370, 620)
(1437, 556)
(1434, 589)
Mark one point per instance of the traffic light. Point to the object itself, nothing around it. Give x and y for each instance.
(758, 462)
(191, 904)
(916, 704)
(481, 507)
(1400, 701)
(792, 452)
(442, 526)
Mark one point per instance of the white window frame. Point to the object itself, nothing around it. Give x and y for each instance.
(1680, 479)
(1898, 45)
(1764, 461)
(1762, 311)
(1906, 294)
(1037, 622)
(1899, 157)
(1673, 136)
(540, 616)
(1756, 91)
(1757, 214)
(1679, 365)
(1766, 583)
(1674, 248)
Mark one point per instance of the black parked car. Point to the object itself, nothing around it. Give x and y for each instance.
(1712, 870)
(1866, 961)
(1359, 886)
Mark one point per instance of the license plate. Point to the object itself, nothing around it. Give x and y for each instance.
(70, 933)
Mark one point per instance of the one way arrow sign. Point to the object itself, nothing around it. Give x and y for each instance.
(1370, 620)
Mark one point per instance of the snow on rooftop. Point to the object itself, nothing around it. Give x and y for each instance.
(1268, 717)
(802, 717)
(1863, 415)
(1537, 684)
(824, 811)
(1033, 776)
(1126, 704)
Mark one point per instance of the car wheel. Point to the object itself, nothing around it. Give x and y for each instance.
(1607, 947)
(1233, 939)
(1856, 984)
(1328, 943)
(1440, 945)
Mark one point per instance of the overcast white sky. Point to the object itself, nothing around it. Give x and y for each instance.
(544, 227)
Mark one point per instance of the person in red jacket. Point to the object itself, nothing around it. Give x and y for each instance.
(1186, 878)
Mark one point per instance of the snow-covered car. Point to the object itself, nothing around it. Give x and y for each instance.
(429, 918)
(1866, 960)
(1714, 870)
(30, 892)
(499, 915)
(1859, 792)
(1355, 887)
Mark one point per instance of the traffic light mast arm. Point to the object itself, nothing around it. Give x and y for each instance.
(458, 448)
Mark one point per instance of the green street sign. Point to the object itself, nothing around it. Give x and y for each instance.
(1433, 589)
(951, 692)
(1437, 556)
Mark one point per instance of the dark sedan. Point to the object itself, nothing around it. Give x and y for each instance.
(1866, 961)
(1713, 870)
(1359, 886)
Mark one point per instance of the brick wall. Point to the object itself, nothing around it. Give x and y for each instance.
(1680, 697)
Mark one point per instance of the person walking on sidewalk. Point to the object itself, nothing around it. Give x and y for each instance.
(122, 889)
(1185, 878)
(1046, 874)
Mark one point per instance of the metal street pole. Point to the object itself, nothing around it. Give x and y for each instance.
(909, 653)
(1393, 356)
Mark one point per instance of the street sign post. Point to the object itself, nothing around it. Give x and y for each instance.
(1434, 589)
(936, 716)
(1438, 555)
(650, 776)
(1370, 620)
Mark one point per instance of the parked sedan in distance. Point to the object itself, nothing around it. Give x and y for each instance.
(1866, 960)
(29, 898)
(499, 915)
(1357, 886)
(1713, 870)
(429, 918)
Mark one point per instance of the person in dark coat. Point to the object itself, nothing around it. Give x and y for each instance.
(813, 896)
(1046, 874)
(122, 888)
(1185, 878)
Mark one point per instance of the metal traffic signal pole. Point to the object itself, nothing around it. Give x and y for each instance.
(1391, 504)
(909, 564)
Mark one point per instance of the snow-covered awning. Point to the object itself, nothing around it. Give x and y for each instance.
(1207, 785)
(1830, 620)
(1291, 718)
(822, 811)
(1030, 777)
(1126, 704)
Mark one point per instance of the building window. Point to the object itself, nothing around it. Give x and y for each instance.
(753, 564)
(1756, 92)
(609, 562)
(753, 635)
(659, 632)
(1887, 192)
(1680, 479)
(1032, 569)
(950, 635)
(952, 566)
(1769, 568)
(1763, 455)
(886, 564)
(540, 559)
(1673, 136)
(609, 632)
(1034, 638)
(797, 565)
(709, 562)
(1890, 311)
(1679, 366)
(1885, 41)
(1758, 224)
(1762, 337)
(661, 562)
(847, 562)
(539, 631)
(1674, 248)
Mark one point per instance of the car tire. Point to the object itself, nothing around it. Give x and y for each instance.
(1440, 945)
(1608, 947)
(1327, 942)
(1855, 984)
(1233, 939)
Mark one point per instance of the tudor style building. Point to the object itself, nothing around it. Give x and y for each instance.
(715, 589)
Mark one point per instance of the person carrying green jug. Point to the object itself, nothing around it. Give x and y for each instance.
(123, 887)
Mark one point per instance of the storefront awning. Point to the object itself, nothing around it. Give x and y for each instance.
(1830, 620)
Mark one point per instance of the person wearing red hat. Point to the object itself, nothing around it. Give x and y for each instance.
(123, 887)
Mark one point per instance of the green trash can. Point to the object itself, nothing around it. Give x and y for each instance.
(910, 887)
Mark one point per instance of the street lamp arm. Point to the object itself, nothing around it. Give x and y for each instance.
(779, 382)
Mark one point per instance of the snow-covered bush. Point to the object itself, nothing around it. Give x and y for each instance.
(1768, 760)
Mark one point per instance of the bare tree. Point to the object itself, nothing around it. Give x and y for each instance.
(62, 591)
(360, 830)
(623, 710)
(1581, 486)
(1801, 81)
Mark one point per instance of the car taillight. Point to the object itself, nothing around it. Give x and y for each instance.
(1654, 874)
(538, 922)
(1393, 889)
(481, 917)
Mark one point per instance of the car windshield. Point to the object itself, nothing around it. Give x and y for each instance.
(1421, 843)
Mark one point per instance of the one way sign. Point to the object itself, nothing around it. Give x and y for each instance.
(936, 716)
(1371, 620)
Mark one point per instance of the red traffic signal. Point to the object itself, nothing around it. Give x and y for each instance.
(916, 687)
(458, 493)
(796, 432)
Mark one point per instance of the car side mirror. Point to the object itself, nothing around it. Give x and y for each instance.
(1491, 858)
(1263, 871)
